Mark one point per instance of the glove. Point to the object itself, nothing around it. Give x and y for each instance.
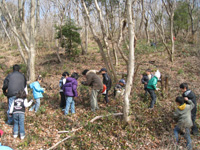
(31, 100)
(157, 89)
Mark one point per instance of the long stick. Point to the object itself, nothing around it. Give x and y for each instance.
(59, 142)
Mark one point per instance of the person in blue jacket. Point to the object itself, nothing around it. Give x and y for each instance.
(37, 93)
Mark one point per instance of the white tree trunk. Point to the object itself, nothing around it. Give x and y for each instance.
(130, 70)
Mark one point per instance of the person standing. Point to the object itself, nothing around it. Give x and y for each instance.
(95, 82)
(151, 87)
(106, 81)
(62, 81)
(37, 93)
(18, 111)
(13, 83)
(70, 91)
(145, 80)
(187, 93)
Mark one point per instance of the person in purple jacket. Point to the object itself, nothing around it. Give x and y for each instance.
(70, 91)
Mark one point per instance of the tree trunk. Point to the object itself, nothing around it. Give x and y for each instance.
(86, 35)
(115, 54)
(96, 38)
(31, 54)
(172, 36)
(130, 70)
(146, 29)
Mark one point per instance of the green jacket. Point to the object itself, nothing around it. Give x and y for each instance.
(152, 83)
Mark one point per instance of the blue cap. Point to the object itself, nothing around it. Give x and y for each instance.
(122, 81)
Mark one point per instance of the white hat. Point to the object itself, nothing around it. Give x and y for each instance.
(157, 74)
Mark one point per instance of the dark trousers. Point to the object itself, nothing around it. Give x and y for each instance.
(194, 127)
(63, 100)
(153, 97)
(106, 96)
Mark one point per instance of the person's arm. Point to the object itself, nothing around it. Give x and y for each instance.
(89, 80)
(154, 84)
(5, 85)
(38, 88)
(27, 104)
(106, 78)
(142, 80)
(190, 103)
(74, 88)
(11, 108)
(176, 114)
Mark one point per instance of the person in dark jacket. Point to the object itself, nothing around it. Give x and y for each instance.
(145, 79)
(70, 91)
(106, 81)
(95, 82)
(62, 81)
(187, 93)
(13, 83)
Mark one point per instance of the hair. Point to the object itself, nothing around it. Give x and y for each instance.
(16, 67)
(180, 100)
(75, 75)
(148, 70)
(39, 78)
(85, 71)
(184, 85)
(21, 94)
(65, 74)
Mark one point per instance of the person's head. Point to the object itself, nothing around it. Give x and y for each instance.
(103, 70)
(148, 71)
(122, 82)
(65, 74)
(85, 72)
(39, 78)
(184, 87)
(179, 100)
(21, 94)
(16, 67)
(75, 75)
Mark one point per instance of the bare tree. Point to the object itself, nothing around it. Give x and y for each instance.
(130, 70)
(27, 40)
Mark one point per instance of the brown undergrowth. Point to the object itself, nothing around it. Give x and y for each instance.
(149, 129)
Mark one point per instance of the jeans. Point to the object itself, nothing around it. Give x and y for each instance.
(186, 136)
(106, 96)
(10, 101)
(153, 97)
(63, 100)
(19, 121)
(69, 102)
(93, 100)
(36, 106)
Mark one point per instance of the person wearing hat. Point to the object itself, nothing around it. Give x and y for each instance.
(151, 87)
(120, 88)
(93, 80)
(107, 82)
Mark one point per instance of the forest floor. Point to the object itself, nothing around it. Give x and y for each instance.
(149, 129)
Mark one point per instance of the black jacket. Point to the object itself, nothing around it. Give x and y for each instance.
(191, 96)
(145, 79)
(107, 81)
(13, 83)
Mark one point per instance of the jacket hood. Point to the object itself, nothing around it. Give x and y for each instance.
(70, 79)
(91, 71)
(182, 107)
(157, 74)
(187, 92)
